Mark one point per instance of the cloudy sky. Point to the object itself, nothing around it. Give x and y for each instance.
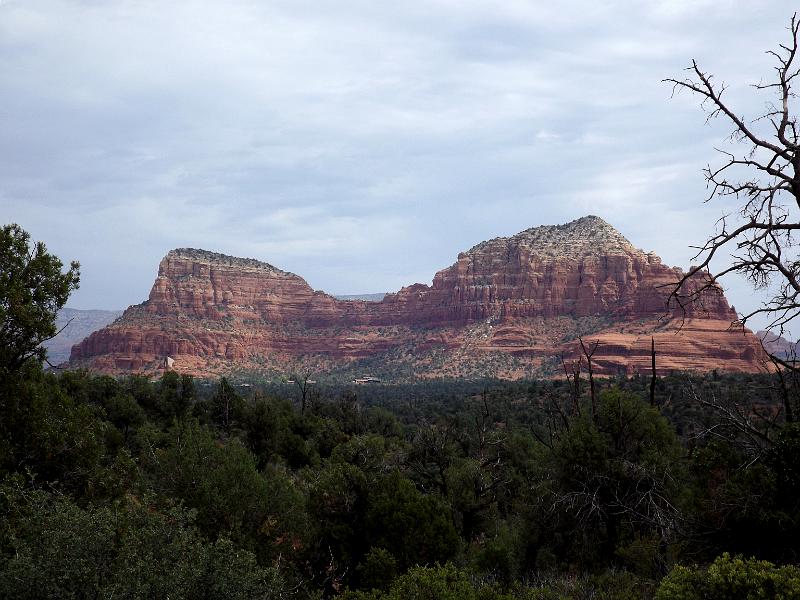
(360, 144)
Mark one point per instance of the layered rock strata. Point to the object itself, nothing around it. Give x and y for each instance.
(504, 297)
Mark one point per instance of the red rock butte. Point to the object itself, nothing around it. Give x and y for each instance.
(508, 307)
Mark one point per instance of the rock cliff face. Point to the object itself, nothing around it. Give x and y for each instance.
(74, 325)
(505, 308)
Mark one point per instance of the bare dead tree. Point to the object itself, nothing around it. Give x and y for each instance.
(303, 381)
(557, 419)
(762, 174)
(742, 424)
(573, 374)
(432, 453)
(653, 368)
(49, 364)
(483, 422)
(588, 352)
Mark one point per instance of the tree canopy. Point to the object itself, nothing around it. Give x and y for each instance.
(32, 290)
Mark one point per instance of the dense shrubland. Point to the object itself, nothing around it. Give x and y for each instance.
(175, 488)
(136, 488)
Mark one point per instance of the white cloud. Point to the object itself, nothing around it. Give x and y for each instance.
(547, 136)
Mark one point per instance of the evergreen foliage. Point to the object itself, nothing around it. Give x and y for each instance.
(32, 290)
(131, 488)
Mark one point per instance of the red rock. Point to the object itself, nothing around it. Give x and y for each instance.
(517, 297)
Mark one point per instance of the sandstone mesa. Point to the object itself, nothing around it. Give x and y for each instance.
(508, 307)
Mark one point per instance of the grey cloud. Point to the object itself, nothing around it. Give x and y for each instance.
(359, 144)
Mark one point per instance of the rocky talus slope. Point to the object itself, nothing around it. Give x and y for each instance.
(507, 307)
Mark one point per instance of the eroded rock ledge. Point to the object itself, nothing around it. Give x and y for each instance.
(506, 307)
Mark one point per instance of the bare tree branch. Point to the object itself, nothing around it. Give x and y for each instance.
(762, 174)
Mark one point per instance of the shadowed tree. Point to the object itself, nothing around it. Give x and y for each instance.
(32, 290)
(226, 405)
(303, 381)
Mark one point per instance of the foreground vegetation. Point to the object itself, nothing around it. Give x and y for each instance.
(132, 488)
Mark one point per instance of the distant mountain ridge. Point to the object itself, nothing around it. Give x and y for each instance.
(76, 324)
(778, 345)
(508, 307)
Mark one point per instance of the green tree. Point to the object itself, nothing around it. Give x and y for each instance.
(727, 577)
(264, 425)
(614, 481)
(750, 507)
(45, 432)
(378, 570)
(32, 290)
(52, 548)
(175, 395)
(415, 528)
(124, 413)
(337, 495)
(227, 406)
(433, 583)
(262, 511)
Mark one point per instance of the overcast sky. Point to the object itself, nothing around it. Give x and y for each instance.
(360, 144)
